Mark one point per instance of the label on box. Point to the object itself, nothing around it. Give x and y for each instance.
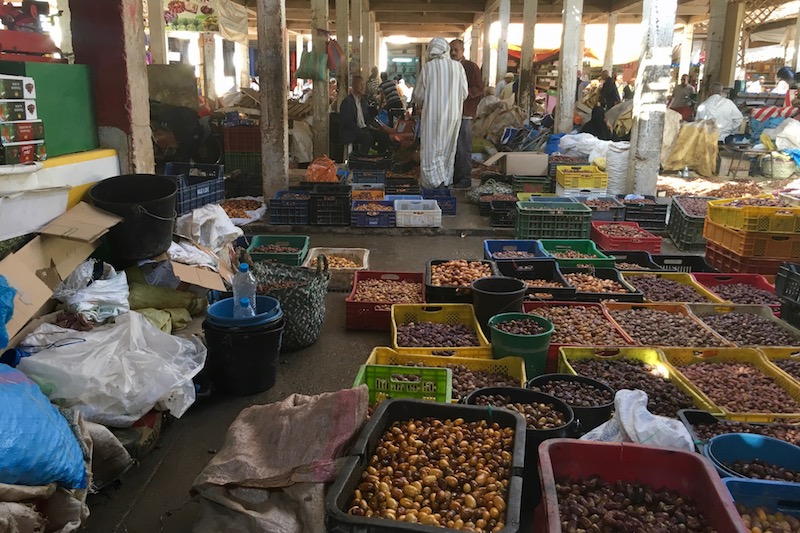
(15, 132)
(29, 89)
(12, 88)
(15, 110)
(17, 153)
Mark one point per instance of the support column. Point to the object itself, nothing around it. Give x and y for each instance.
(272, 42)
(716, 31)
(209, 49)
(608, 59)
(686, 50)
(568, 63)
(319, 96)
(356, 7)
(796, 58)
(475, 43)
(373, 37)
(342, 33)
(244, 60)
(582, 46)
(158, 35)
(367, 48)
(650, 98)
(109, 37)
(486, 60)
(529, 10)
(731, 39)
(502, 43)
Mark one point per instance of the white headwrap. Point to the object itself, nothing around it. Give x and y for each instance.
(438, 47)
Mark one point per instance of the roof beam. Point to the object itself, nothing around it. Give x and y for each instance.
(432, 29)
(468, 6)
(426, 18)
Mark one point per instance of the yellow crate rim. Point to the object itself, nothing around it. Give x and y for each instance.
(442, 314)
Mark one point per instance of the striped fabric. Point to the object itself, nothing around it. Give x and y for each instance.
(765, 113)
(441, 90)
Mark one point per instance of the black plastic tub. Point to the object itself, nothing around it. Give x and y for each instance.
(587, 418)
(692, 417)
(641, 258)
(451, 294)
(338, 497)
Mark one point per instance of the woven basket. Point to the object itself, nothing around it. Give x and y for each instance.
(777, 168)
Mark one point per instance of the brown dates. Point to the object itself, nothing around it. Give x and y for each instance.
(580, 326)
(654, 327)
(425, 334)
(458, 273)
(759, 519)
(576, 393)
(620, 230)
(758, 469)
(588, 283)
(388, 291)
(658, 289)
(537, 415)
(694, 207)
(742, 293)
(750, 330)
(786, 432)
(525, 326)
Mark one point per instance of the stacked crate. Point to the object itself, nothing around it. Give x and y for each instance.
(242, 145)
(581, 180)
(755, 234)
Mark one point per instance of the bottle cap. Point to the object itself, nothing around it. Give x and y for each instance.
(244, 302)
(243, 267)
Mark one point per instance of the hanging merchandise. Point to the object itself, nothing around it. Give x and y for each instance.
(336, 57)
(313, 66)
(198, 16)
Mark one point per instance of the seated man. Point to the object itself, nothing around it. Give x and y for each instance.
(723, 111)
(353, 116)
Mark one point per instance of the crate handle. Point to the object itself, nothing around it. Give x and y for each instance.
(723, 278)
(390, 276)
(788, 506)
(704, 354)
(609, 352)
(779, 238)
(432, 309)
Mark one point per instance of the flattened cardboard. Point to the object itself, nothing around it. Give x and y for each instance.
(194, 275)
(520, 163)
(83, 222)
(53, 259)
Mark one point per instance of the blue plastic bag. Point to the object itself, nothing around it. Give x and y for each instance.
(7, 293)
(37, 446)
(551, 146)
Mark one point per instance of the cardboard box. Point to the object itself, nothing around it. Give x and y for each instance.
(15, 132)
(14, 110)
(24, 152)
(25, 212)
(520, 163)
(12, 87)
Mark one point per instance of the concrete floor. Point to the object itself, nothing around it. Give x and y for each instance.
(154, 495)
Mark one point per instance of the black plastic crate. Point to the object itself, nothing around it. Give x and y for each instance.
(790, 312)
(503, 213)
(357, 162)
(485, 206)
(284, 209)
(402, 186)
(605, 273)
(367, 176)
(198, 185)
(683, 263)
(686, 230)
(543, 269)
(330, 209)
(787, 282)
(444, 197)
(650, 217)
(641, 258)
(450, 294)
(372, 219)
(557, 160)
(338, 497)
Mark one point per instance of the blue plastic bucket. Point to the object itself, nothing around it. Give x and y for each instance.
(725, 449)
(220, 314)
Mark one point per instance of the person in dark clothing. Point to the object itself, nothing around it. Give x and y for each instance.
(597, 126)
(463, 162)
(392, 102)
(353, 117)
(609, 92)
(629, 90)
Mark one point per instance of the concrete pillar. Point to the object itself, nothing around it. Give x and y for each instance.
(319, 96)
(526, 60)
(486, 60)
(342, 36)
(109, 37)
(608, 59)
(475, 44)
(367, 47)
(356, 7)
(582, 46)
(244, 60)
(716, 31)
(502, 43)
(731, 39)
(796, 58)
(650, 98)
(272, 42)
(158, 35)
(571, 57)
(686, 50)
(209, 54)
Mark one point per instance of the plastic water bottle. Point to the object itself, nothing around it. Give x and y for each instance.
(244, 286)
(243, 309)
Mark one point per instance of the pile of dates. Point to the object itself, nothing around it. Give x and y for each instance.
(374, 207)
(336, 262)
(694, 207)
(588, 283)
(573, 254)
(663, 397)
(759, 519)
(576, 393)
(754, 201)
(466, 380)
(275, 249)
(758, 469)
(526, 326)
(390, 291)
(750, 330)
(425, 334)
(458, 273)
(740, 388)
(791, 366)
(654, 327)
(786, 432)
(513, 254)
(742, 293)
(537, 415)
(658, 289)
(498, 198)
(624, 231)
(600, 205)
(597, 505)
(579, 325)
(623, 265)
(444, 473)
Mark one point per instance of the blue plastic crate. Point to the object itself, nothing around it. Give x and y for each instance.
(491, 247)
(393, 197)
(198, 185)
(444, 197)
(372, 219)
(772, 496)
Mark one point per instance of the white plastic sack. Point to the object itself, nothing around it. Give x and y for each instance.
(208, 226)
(600, 151)
(617, 167)
(115, 373)
(97, 300)
(578, 145)
(632, 422)
(187, 253)
(787, 135)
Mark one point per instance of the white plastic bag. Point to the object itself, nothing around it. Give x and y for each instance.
(97, 300)
(787, 135)
(208, 226)
(579, 144)
(632, 422)
(617, 167)
(115, 373)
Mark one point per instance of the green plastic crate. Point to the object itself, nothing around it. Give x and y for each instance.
(584, 246)
(248, 163)
(545, 220)
(295, 241)
(432, 384)
(534, 184)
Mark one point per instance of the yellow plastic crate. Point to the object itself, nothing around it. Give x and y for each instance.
(526, 196)
(513, 367)
(676, 308)
(678, 277)
(581, 177)
(773, 353)
(753, 218)
(440, 314)
(679, 357)
(651, 356)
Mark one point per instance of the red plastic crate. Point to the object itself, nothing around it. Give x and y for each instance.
(551, 366)
(727, 261)
(650, 244)
(709, 281)
(242, 139)
(685, 472)
(375, 315)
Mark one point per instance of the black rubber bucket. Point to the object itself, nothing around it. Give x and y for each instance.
(495, 295)
(587, 418)
(243, 361)
(147, 202)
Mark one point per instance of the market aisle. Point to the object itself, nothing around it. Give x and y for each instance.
(160, 484)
